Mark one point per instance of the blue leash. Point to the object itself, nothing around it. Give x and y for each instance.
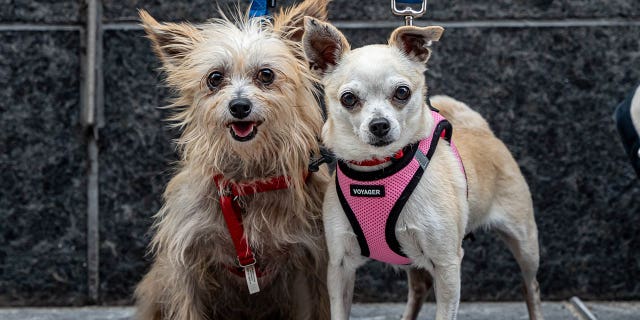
(260, 8)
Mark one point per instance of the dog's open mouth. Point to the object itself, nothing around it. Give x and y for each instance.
(243, 130)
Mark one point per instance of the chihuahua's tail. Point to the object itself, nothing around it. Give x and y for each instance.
(458, 113)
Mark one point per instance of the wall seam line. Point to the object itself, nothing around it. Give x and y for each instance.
(371, 24)
(91, 118)
(501, 23)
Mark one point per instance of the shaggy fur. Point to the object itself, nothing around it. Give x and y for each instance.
(439, 212)
(192, 249)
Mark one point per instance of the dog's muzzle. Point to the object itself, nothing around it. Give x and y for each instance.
(240, 108)
(380, 128)
(245, 128)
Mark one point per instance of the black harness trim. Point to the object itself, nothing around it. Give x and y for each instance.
(628, 134)
(355, 225)
(396, 165)
(326, 156)
(390, 228)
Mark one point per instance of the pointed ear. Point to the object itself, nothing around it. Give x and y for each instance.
(171, 41)
(414, 41)
(323, 44)
(290, 22)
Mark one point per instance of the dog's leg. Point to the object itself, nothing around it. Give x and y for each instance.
(157, 301)
(446, 278)
(340, 281)
(301, 297)
(309, 294)
(344, 256)
(420, 283)
(522, 240)
(148, 297)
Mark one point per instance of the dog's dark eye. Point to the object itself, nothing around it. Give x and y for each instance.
(402, 93)
(348, 100)
(266, 76)
(214, 79)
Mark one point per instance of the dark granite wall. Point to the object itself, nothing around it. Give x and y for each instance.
(43, 201)
(41, 11)
(135, 160)
(547, 88)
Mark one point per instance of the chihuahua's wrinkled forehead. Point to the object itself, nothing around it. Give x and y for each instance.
(377, 67)
(378, 60)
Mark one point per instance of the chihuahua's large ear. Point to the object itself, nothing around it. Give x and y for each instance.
(171, 41)
(414, 41)
(290, 22)
(323, 45)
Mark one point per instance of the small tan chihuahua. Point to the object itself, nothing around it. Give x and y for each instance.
(403, 192)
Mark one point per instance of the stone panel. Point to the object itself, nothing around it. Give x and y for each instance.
(43, 176)
(135, 161)
(41, 11)
(549, 94)
(195, 11)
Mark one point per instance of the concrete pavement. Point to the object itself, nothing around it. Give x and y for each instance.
(370, 311)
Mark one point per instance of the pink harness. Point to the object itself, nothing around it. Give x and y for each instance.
(373, 200)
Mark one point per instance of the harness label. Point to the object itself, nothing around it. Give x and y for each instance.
(366, 191)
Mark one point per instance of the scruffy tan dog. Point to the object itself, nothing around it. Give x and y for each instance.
(402, 193)
(250, 124)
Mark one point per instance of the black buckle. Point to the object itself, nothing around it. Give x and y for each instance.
(326, 156)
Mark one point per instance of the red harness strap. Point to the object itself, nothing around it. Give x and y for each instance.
(232, 213)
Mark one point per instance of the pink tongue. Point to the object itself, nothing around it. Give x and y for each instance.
(242, 129)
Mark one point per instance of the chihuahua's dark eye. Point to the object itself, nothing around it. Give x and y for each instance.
(214, 80)
(402, 93)
(348, 100)
(266, 76)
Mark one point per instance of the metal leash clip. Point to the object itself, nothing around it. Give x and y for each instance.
(408, 12)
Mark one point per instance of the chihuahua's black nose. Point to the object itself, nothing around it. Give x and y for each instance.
(379, 127)
(240, 107)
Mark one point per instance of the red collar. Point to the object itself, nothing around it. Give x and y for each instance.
(375, 162)
(232, 213)
(258, 186)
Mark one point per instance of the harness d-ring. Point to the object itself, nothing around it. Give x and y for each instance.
(409, 13)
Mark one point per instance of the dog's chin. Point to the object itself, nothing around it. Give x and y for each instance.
(381, 143)
(243, 131)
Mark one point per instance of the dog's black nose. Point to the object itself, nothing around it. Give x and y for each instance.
(379, 127)
(240, 107)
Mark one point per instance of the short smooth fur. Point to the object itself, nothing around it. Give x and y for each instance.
(434, 221)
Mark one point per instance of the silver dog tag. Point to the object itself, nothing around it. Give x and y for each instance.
(252, 279)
